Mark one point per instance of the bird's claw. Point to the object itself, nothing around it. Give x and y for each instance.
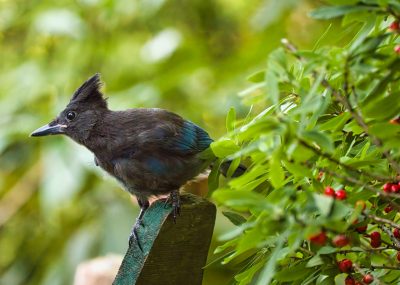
(175, 201)
(134, 234)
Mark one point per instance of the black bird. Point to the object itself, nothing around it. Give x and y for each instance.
(151, 152)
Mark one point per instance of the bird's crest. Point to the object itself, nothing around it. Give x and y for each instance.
(90, 91)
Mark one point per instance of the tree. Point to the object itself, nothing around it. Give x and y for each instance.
(319, 203)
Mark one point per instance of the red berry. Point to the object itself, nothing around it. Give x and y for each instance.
(361, 204)
(397, 49)
(349, 280)
(319, 239)
(329, 191)
(361, 229)
(394, 26)
(375, 239)
(368, 279)
(341, 194)
(345, 265)
(388, 209)
(387, 187)
(375, 236)
(396, 233)
(395, 188)
(340, 240)
(398, 256)
(320, 175)
(375, 243)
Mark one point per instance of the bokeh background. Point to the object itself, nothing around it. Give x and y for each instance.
(191, 57)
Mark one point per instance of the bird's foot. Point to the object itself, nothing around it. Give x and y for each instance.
(144, 205)
(175, 201)
(134, 234)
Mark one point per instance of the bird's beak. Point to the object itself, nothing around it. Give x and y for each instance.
(48, 130)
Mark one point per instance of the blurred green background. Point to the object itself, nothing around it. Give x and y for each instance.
(191, 57)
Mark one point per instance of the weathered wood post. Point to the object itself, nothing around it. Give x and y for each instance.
(173, 254)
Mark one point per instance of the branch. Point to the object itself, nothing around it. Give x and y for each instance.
(390, 234)
(382, 220)
(383, 267)
(306, 251)
(348, 167)
(369, 250)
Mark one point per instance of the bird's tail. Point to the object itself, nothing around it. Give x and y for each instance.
(238, 171)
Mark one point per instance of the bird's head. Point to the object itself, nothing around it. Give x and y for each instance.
(83, 112)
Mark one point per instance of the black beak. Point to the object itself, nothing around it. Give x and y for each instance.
(48, 130)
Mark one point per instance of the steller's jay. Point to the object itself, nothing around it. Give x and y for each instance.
(151, 152)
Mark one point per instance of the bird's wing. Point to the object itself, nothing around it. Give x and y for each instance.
(171, 149)
(183, 139)
(189, 139)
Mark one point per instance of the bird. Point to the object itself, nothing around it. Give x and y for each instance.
(150, 151)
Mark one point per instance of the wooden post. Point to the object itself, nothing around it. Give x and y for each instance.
(172, 253)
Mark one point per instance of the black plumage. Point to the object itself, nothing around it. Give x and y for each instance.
(151, 152)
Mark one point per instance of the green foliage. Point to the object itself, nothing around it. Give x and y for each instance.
(329, 118)
(56, 208)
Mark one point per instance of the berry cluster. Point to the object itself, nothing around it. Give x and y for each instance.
(321, 238)
(342, 240)
(339, 194)
(391, 187)
(346, 266)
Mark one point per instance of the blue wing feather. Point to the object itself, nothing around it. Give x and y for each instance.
(191, 139)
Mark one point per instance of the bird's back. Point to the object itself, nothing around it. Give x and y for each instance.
(151, 151)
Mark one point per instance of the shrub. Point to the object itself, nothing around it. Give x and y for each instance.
(329, 119)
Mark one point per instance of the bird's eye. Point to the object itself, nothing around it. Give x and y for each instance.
(71, 115)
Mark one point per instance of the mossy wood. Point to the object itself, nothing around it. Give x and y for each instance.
(172, 254)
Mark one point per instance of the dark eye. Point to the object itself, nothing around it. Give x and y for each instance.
(71, 115)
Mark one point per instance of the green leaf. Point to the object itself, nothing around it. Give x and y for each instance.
(326, 250)
(298, 169)
(235, 218)
(315, 261)
(217, 261)
(269, 270)
(322, 37)
(321, 139)
(353, 127)
(335, 123)
(330, 12)
(385, 130)
(292, 273)
(257, 77)
(384, 108)
(243, 200)
(224, 147)
(276, 173)
(324, 204)
(370, 44)
(379, 90)
(246, 276)
(213, 177)
(339, 211)
(271, 81)
(233, 166)
(230, 120)
(363, 33)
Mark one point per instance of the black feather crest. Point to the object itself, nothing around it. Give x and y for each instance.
(90, 91)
